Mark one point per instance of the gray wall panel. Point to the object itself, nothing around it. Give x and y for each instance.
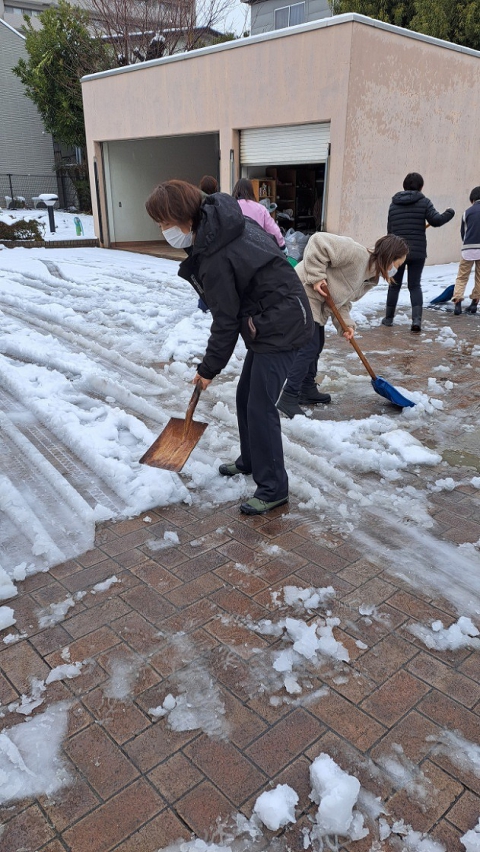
(25, 147)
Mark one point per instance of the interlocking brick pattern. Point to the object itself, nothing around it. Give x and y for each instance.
(135, 784)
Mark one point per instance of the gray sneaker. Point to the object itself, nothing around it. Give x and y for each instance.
(231, 470)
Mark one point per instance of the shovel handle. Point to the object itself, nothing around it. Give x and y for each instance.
(191, 407)
(336, 313)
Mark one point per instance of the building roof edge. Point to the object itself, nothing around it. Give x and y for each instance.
(322, 23)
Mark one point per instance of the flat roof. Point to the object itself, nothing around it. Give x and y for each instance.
(334, 21)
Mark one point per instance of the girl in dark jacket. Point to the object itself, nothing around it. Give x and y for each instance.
(242, 275)
(407, 215)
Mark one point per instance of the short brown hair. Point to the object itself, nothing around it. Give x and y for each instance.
(243, 189)
(175, 201)
(386, 250)
(208, 184)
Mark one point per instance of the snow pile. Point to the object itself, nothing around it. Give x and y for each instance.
(7, 588)
(459, 635)
(310, 642)
(336, 794)
(471, 840)
(276, 808)
(309, 599)
(6, 617)
(31, 763)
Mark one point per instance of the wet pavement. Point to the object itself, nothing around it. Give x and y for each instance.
(184, 615)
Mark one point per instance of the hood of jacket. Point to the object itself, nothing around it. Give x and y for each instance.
(407, 196)
(221, 222)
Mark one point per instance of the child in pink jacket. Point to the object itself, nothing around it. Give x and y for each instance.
(243, 192)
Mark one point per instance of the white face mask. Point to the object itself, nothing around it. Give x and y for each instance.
(176, 238)
(391, 272)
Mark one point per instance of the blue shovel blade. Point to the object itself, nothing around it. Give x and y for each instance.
(382, 387)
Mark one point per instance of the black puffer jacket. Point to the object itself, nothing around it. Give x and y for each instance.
(407, 215)
(242, 275)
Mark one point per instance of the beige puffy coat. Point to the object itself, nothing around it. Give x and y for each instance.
(345, 265)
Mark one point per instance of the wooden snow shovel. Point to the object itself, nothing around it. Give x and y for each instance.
(380, 386)
(172, 448)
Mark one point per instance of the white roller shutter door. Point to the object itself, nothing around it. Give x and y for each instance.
(291, 144)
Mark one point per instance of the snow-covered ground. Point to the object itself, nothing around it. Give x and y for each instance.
(65, 227)
(97, 351)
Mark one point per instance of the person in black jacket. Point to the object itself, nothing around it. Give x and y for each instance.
(250, 289)
(407, 215)
(470, 231)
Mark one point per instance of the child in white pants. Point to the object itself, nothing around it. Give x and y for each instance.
(470, 231)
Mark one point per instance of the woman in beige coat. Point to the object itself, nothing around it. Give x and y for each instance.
(349, 270)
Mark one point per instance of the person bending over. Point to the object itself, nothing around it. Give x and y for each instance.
(349, 270)
(240, 272)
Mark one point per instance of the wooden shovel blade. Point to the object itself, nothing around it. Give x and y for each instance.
(173, 446)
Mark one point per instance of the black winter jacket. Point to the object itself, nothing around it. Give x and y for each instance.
(470, 227)
(250, 288)
(406, 218)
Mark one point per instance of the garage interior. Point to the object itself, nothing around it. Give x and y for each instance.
(132, 169)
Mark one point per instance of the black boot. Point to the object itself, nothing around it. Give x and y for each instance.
(389, 315)
(458, 307)
(472, 308)
(287, 403)
(416, 326)
(311, 396)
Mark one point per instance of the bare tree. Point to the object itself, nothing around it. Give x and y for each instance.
(139, 30)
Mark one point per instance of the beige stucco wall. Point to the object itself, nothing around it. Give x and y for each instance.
(396, 102)
(412, 106)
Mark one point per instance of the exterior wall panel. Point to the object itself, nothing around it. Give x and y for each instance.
(25, 147)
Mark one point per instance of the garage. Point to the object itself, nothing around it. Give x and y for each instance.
(326, 118)
(133, 167)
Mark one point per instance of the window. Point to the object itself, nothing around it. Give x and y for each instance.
(282, 17)
(17, 10)
(288, 16)
(297, 14)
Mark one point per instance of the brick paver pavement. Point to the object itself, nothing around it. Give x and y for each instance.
(186, 611)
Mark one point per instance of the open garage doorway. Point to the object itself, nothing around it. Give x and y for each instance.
(132, 169)
(288, 167)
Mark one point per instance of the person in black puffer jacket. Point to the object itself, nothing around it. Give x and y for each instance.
(252, 291)
(407, 215)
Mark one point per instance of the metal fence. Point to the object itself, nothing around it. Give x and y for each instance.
(22, 191)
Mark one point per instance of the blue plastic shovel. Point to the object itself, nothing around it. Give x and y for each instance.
(381, 386)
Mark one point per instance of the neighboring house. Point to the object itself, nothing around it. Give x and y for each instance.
(26, 149)
(326, 118)
(12, 11)
(267, 15)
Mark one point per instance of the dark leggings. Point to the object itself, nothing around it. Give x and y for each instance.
(415, 268)
(304, 370)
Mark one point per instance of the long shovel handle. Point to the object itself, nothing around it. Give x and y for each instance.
(191, 407)
(336, 313)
